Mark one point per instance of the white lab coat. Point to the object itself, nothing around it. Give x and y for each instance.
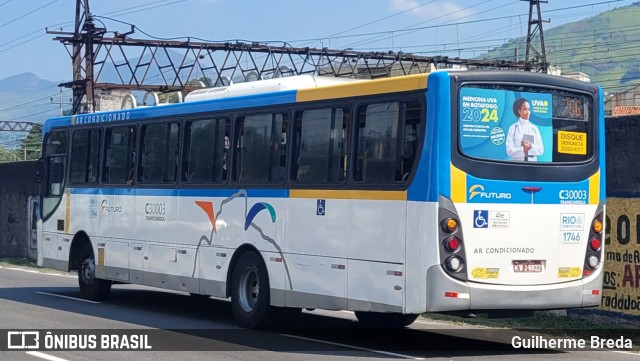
(514, 140)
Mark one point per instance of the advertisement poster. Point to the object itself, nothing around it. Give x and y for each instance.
(621, 283)
(506, 125)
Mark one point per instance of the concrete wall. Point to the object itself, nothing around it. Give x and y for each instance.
(630, 97)
(17, 190)
(621, 291)
(623, 156)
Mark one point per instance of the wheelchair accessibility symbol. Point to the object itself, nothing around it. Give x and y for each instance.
(320, 208)
(480, 219)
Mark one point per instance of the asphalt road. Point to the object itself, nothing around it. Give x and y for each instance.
(179, 326)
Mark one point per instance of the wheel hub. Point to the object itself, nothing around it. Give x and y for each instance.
(249, 290)
(88, 271)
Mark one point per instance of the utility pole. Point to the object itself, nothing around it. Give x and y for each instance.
(533, 55)
(82, 57)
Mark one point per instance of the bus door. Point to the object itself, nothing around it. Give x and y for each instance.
(54, 209)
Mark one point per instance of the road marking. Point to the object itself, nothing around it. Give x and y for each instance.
(37, 271)
(353, 347)
(628, 353)
(71, 298)
(45, 356)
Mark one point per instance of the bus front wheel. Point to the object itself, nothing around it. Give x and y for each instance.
(250, 300)
(91, 288)
(385, 320)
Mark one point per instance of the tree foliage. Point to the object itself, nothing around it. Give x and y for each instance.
(31, 147)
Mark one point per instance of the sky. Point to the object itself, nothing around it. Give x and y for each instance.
(464, 28)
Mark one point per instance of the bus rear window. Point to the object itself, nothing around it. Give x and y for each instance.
(525, 124)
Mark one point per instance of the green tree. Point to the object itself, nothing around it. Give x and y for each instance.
(31, 147)
(7, 155)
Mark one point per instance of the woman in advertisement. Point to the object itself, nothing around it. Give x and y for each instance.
(524, 142)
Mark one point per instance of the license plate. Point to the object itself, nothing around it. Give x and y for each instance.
(527, 266)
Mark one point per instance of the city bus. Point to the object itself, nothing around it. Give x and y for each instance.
(467, 191)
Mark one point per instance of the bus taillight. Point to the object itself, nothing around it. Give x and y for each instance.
(593, 262)
(450, 225)
(451, 239)
(454, 264)
(452, 244)
(593, 256)
(597, 226)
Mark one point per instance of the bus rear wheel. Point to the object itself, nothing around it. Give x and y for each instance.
(385, 320)
(250, 300)
(91, 288)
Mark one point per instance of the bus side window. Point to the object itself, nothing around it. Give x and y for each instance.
(159, 153)
(119, 152)
(387, 141)
(319, 148)
(206, 151)
(260, 150)
(413, 129)
(85, 158)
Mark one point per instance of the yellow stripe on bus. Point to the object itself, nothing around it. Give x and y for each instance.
(365, 87)
(349, 194)
(68, 212)
(458, 185)
(594, 188)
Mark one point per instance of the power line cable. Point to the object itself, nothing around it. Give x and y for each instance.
(29, 13)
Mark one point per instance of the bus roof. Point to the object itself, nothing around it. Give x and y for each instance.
(252, 94)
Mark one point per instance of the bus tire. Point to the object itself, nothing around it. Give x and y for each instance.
(250, 299)
(91, 288)
(385, 320)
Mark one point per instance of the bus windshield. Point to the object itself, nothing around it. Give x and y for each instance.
(509, 123)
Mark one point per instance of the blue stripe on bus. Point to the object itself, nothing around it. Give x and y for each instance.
(179, 109)
(501, 191)
(444, 131)
(166, 192)
(603, 163)
(421, 189)
(425, 186)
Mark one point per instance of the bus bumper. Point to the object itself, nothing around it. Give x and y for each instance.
(447, 294)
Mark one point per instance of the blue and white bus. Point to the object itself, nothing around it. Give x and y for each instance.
(452, 191)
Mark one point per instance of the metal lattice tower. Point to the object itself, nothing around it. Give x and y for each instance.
(535, 58)
(6, 126)
(102, 62)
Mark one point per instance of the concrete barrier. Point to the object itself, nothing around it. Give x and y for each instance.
(621, 292)
(18, 192)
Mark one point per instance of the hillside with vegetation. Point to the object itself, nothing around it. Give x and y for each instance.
(606, 47)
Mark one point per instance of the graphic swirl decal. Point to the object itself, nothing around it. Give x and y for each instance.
(255, 210)
(249, 216)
